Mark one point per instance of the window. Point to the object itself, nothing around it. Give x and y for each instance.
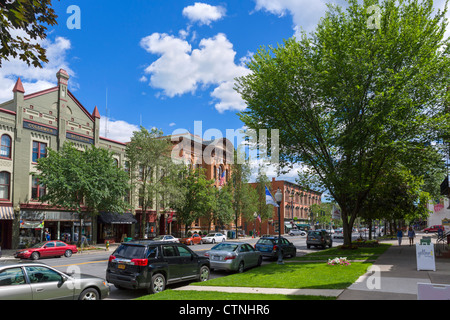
(37, 189)
(42, 274)
(5, 178)
(5, 150)
(169, 251)
(12, 277)
(39, 150)
(184, 252)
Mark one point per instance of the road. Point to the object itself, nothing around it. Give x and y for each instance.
(96, 263)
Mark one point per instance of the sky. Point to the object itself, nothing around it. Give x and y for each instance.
(162, 63)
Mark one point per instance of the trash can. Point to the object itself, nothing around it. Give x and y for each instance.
(425, 240)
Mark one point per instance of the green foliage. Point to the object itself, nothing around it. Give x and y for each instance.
(351, 102)
(31, 17)
(77, 180)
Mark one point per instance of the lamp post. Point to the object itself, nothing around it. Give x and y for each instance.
(254, 224)
(278, 198)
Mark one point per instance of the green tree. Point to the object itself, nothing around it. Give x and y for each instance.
(264, 210)
(223, 208)
(350, 100)
(85, 182)
(30, 17)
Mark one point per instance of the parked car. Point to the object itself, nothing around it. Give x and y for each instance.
(47, 249)
(167, 238)
(233, 256)
(339, 233)
(434, 228)
(297, 232)
(151, 265)
(194, 239)
(318, 238)
(268, 246)
(214, 238)
(35, 281)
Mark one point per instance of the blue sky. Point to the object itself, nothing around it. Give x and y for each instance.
(163, 63)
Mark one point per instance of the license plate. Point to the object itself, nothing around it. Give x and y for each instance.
(216, 257)
(121, 266)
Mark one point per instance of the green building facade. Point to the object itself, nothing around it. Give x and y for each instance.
(29, 123)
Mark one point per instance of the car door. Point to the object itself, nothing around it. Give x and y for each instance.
(189, 265)
(13, 285)
(252, 255)
(173, 260)
(49, 249)
(48, 284)
(60, 248)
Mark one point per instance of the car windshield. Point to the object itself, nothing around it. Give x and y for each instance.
(266, 241)
(225, 247)
(38, 245)
(130, 252)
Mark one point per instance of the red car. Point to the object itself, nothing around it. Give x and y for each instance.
(194, 239)
(433, 228)
(47, 249)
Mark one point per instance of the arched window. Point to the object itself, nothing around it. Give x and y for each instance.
(5, 180)
(5, 150)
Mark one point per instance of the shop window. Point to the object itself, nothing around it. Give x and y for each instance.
(39, 150)
(5, 150)
(37, 189)
(5, 179)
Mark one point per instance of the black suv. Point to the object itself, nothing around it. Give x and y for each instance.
(152, 265)
(319, 238)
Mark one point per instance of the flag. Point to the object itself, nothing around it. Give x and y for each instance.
(270, 199)
(259, 218)
(335, 213)
(439, 205)
(170, 218)
(222, 179)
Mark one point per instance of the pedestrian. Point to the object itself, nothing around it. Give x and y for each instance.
(411, 236)
(399, 236)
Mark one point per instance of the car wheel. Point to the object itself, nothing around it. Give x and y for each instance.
(68, 253)
(259, 261)
(204, 273)
(213, 241)
(89, 294)
(35, 255)
(158, 283)
(294, 254)
(192, 243)
(241, 267)
(223, 239)
(308, 246)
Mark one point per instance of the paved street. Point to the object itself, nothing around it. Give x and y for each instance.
(96, 263)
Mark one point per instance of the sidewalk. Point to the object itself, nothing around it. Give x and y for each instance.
(398, 276)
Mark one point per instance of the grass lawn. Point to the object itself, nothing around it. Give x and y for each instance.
(361, 253)
(209, 295)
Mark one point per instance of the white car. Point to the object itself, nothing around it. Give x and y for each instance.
(167, 238)
(214, 238)
(296, 232)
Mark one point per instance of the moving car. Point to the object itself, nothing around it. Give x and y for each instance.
(233, 256)
(214, 238)
(47, 249)
(36, 281)
(268, 246)
(318, 238)
(194, 239)
(297, 232)
(168, 238)
(151, 265)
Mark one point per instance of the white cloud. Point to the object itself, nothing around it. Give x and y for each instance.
(203, 13)
(36, 79)
(117, 129)
(181, 69)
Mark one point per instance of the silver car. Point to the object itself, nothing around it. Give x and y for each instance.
(36, 281)
(233, 256)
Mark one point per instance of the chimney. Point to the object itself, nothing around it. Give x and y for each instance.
(63, 77)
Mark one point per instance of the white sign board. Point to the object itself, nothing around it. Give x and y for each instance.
(431, 291)
(425, 257)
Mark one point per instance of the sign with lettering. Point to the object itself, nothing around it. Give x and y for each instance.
(425, 257)
(40, 128)
(76, 137)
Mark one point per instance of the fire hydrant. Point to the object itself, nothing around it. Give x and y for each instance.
(107, 245)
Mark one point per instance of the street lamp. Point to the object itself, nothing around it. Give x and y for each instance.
(278, 198)
(255, 215)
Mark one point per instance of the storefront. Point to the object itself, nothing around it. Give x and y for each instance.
(60, 225)
(6, 219)
(114, 227)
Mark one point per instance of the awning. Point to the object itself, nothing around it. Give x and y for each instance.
(6, 213)
(117, 218)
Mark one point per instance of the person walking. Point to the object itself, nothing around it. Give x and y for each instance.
(411, 236)
(399, 236)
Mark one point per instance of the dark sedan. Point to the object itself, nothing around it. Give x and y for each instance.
(35, 281)
(269, 246)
